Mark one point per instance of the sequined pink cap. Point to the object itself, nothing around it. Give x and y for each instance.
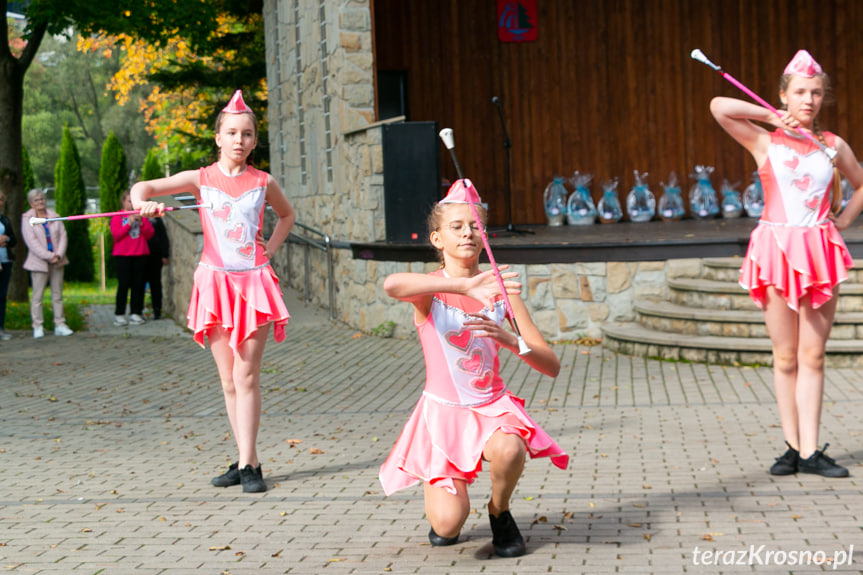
(457, 193)
(237, 105)
(803, 64)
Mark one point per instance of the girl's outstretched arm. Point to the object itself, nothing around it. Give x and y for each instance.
(187, 182)
(736, 116)
(418, 288)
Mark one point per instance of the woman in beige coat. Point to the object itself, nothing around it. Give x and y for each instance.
(46, 258)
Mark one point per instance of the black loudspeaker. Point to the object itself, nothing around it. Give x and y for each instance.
(411, 179)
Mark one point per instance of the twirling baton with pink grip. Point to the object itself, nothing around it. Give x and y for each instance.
(446, 136)
(699, 56)
(35, 221)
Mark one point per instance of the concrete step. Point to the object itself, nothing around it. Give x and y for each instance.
(721, 269)
(726, 295)
(728, 269)
(634, 339)
(671, 317)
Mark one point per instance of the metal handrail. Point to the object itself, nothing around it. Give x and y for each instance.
(324, 244)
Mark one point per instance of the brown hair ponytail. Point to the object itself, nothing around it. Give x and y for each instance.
(836, 199)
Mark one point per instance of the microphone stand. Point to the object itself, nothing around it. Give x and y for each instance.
(507, 144)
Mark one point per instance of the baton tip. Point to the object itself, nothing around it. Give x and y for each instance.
(446, 136)
(523, 349)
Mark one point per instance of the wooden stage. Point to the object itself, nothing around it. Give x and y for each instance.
(648, 241)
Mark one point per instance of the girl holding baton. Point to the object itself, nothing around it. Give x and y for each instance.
(236, 295)
(465, 414)
(796, 257)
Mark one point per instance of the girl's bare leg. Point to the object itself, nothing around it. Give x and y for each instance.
(240, 376)
(815, 325)
(505, 453)
(447, 512)
(782, 326)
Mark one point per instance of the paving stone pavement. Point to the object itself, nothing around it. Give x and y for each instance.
(109, 440)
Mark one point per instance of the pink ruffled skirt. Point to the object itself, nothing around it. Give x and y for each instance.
(797, 261)
(240, 302)
(440, 443)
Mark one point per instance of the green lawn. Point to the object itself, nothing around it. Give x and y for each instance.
(76, 296)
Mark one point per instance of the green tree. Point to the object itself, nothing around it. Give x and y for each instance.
(154, 20)
(66, 85)
(70, 198)
(151, 169)
(113, 174)
(113, 181)
(29, 181)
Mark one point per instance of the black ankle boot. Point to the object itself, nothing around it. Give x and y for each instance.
(820, 464)
(252, 479)
(439, 541)
(228, 478)
(506, 537)
(788, 463)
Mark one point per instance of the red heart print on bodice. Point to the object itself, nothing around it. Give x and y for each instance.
(224, 213)
(459, 339)
(472, 364)
(482, 383)
(247, 251)
(792, 163)
(237, 233)
(812, 203)
(803, 183)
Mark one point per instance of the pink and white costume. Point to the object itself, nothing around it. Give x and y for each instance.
(464, 402)
(235, 287)
(795, 248)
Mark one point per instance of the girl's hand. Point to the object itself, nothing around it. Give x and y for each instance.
(151, 209)
(838, 221)
(484, 287)
(483, 326)
(259, 238)
(787, 120)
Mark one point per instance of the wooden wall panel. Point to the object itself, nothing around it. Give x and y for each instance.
(609, 86)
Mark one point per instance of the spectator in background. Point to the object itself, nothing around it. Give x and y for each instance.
(46, 259)
(160, 248)
(130, 252)
(7, 242)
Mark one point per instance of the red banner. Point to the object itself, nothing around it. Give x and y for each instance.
(516, 20)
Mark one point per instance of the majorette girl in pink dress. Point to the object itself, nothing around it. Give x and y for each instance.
(796, 257)
(236, 295)
(465, 414)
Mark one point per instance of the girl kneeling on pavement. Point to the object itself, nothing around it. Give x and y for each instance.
(465, 414)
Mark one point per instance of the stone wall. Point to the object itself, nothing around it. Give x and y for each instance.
(326, 153)
(320, 77)
(187, 242)
(566, 301)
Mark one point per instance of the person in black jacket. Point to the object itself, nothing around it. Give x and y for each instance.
(7, 242)
(160, 249)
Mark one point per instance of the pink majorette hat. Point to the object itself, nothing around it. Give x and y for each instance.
(237, 105)
(457, 193)
(803, 64)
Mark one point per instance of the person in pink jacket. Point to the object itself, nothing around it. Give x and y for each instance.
(130, 253)
(46, 259)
